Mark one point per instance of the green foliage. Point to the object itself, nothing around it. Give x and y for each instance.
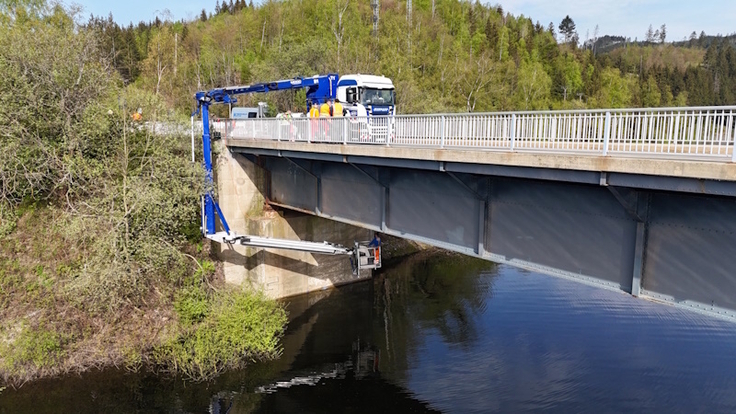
(241, 326)
(7, 219)
(533, 88)
(33, 348)
(615, 90)
(192, 305)
(651, 95)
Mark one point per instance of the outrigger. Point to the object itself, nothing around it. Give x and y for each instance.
(319, 89)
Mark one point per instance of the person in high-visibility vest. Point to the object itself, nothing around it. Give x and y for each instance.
(138, 115)
(325, 111)
(376, 244)
(314, 110)
(338, 110)
(313, 121)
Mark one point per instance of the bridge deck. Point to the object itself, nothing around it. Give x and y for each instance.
(684, 168)
(682, 134)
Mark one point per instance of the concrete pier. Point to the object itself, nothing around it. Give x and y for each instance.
(241, 188)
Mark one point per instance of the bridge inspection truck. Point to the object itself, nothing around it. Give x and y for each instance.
(320, 89)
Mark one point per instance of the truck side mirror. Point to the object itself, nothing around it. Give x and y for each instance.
(350, 95)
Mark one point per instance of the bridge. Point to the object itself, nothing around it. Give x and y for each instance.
(637, 200)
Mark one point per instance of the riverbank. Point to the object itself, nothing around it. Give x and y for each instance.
(63, 311)
(58, 317)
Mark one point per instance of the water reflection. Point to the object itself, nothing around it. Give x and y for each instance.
(446, 333)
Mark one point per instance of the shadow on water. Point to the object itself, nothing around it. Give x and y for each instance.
(337, 349)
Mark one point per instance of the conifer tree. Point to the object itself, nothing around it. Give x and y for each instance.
(567, 28)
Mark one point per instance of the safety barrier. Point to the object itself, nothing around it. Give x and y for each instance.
(701, 132)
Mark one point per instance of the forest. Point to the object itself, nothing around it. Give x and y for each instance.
(443, 56)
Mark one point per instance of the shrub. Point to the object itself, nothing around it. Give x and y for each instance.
(242, 326)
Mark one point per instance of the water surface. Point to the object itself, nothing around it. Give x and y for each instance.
(451, 334)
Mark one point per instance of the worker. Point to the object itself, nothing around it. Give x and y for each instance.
(314, 110)
(313, 121)
(338, 110)
(376, 244)
(138, 115)
(325, 112)
(292, 130)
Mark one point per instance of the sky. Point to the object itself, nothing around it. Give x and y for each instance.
(629, 18)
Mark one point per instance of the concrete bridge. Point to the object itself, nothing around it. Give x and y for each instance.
(640, 201)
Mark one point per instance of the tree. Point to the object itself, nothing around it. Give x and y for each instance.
(595, 38)
(662, 33)
(491, 33)
(615, 91)
(475, 78)
(568, 77)
(160, 59)
(203, 16)
(650, 94)
(649, 35)
(338, 28)
(533, 86)
(567, 28)
(692, 39)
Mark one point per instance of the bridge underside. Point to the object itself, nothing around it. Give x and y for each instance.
(638, 234)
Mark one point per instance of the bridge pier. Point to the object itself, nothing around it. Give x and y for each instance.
(242, 191)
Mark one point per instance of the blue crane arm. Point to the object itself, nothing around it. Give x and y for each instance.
(319, 89)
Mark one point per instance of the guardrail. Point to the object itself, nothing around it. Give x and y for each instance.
(700, 132)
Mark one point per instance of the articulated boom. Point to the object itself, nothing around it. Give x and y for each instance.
(319, 88)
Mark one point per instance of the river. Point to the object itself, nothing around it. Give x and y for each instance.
(446, 333)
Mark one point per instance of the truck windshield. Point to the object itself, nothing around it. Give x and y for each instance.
(371, 96)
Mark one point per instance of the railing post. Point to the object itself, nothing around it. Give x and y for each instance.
(389, 125)
(512, 131)
(606, 132)
(309, 130)
(344, 130)
(733, 147)
(442, 133)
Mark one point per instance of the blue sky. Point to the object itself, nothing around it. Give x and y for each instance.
(631, 18)
(622, 17)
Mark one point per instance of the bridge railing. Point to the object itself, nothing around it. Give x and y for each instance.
(660, 132)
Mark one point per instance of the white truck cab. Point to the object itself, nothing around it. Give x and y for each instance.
(367, 95)
(370, 101)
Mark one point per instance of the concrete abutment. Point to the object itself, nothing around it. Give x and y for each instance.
(242, 193)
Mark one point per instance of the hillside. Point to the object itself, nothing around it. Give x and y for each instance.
(447, 55)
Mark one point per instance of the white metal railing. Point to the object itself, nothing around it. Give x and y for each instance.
(657, 132)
